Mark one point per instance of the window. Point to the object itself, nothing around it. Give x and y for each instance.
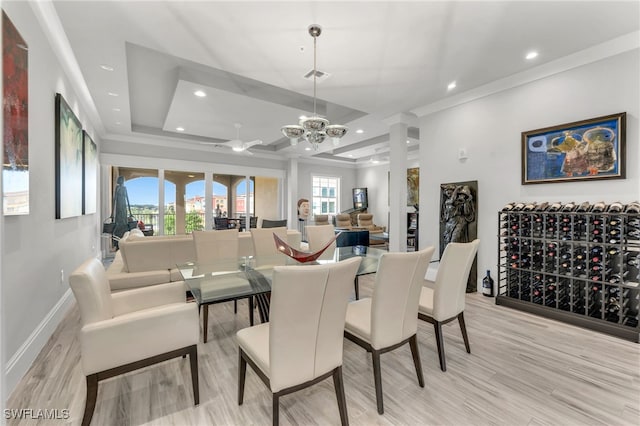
(325, 192)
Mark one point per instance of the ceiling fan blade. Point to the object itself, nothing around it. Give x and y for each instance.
(248, 152)
(252, 143)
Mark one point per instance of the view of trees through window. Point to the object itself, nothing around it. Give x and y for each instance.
(184, 198)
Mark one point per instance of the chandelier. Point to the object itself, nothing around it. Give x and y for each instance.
(314, 129)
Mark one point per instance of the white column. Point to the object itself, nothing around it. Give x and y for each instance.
(105, 205)
(292, 192)
(160, 230)
(208, 204)
(398, 125)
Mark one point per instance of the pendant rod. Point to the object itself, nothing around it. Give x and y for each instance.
(314, 74)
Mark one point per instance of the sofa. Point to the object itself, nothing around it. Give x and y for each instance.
(144, 261)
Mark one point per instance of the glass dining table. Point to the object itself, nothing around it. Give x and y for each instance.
(249, 277)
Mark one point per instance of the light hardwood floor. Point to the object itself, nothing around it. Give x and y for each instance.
(522, 370)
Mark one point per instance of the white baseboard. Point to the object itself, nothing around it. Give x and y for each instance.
(21, 361)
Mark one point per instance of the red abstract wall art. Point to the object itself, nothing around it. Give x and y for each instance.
(15, 102)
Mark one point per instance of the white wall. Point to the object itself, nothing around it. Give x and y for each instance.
(37, 247)
(376, 180)
(490, 129)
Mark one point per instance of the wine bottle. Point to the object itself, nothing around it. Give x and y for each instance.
(508, 207)
(568, 207)
(518, 207)
(542, 206)
(614, 221)
(596, 254)
(634, 234)
(583, 207)
(634, 261)
(529, 207)
(613, 251)
(633, 207)
(612, 310)
(615, 207)
(487, 285)
(618, 278)
(554, 207)
(598, 207)
(633, 223)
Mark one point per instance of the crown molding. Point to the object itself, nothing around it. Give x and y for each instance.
(408, 118)
(592, 54)
(53, 31)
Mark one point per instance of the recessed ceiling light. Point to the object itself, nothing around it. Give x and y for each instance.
(106, 67)
(180, 129)
(451, 85)
(116, 109)
(307, 149)
(350, 155)
(118, 123)
(112, 94)
(200, 93)
(531, 55)
(359, 131)
(302, 117)
(408, 141)
(375, 161)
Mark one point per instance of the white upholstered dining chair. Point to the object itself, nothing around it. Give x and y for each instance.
(318, 236)
(442, 301)
(389, 319)
(131, 329)
(302, 343)
(215, 245)
(263, 243)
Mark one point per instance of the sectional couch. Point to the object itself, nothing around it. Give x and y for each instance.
(144, 261)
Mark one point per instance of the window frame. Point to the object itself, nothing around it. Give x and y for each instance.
(327, 198)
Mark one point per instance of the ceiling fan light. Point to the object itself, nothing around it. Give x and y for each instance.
(237, 148)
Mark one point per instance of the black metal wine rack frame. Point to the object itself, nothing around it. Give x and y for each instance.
(539, 269)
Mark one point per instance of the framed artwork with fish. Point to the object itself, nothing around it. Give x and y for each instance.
(584, 150)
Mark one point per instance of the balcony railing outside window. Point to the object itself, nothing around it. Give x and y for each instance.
(194, 221)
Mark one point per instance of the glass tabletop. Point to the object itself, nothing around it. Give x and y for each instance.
(230, 279)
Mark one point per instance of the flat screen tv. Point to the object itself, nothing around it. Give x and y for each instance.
(360, 198)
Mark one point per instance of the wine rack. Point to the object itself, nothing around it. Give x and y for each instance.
(577, 264)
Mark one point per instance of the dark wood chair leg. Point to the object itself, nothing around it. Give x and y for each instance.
(242, 374)
(356, 287)
(438, 329)
(276, 409)
(463, 328)
(413, 343)
(193, 360)
(251, 311)
(235, 306)
(340, 396)
(90, 403)
(205, 323)
(377, 377)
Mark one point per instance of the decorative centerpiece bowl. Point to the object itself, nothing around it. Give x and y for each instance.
(301, 256)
